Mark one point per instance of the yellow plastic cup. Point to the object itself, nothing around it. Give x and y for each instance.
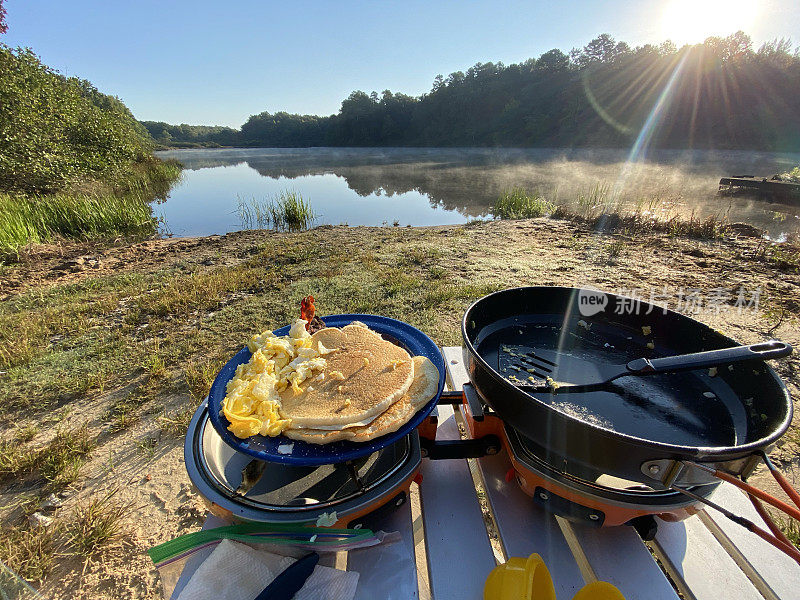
(599, 590)
(520, 579)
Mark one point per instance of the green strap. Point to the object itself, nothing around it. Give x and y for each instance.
(246, 532)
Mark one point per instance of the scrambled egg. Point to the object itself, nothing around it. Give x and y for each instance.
(252, 401)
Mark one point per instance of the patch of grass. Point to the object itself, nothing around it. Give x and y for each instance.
(614, 249)
(23, 339)
(288, 211)
(793, 175)
(200, 375)
(518, 204)
(616, 219)
(97, 523)
(15, 460)
(606, 212)
(438, 296)
(153, 362)
(147, 446)
(117, 203)
(58, 462)
(437, 273)
(421, 255)
(77, 366)
(61, 460)
(43, 321)
(25, 220)
(790, 529)
(596, 202)
(124, 412)
(25, 433)
(29, 553)
(397, 281)
(709, 228)
(784, 257)
(180, 295)
(176, 423)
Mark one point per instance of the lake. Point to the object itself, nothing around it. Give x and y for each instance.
(437, 186)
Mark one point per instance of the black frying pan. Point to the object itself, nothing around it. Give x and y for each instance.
(634, 420)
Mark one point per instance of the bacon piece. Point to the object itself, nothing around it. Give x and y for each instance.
(307, 310)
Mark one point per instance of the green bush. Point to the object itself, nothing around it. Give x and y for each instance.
(793, 175)
(57, 131)
(517, 204)
(73, 161)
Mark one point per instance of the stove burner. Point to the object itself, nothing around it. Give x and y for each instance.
(284, 493)
(287, 487)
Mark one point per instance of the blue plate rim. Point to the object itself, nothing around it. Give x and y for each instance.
(314, 454)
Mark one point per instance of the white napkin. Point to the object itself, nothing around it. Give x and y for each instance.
(235, 571)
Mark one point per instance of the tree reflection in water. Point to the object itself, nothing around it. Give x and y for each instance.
(469, 180)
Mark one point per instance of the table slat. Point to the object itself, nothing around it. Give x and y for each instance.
(371, 561)
(694, 558)
(459, 554)
(779, 572)
(525, 528)
(618, 555)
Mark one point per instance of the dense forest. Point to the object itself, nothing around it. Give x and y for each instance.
(719, 94)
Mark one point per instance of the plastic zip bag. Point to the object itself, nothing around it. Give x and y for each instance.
(172, 557)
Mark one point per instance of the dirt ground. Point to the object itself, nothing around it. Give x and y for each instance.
(446, 267)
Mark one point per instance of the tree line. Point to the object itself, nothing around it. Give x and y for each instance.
(719, 94)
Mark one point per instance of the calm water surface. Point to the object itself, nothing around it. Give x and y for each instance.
(412, 186)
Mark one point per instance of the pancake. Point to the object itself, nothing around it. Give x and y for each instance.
(364, 376)
(423, 388)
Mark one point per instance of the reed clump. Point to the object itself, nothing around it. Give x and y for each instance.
(602, 210)
(36, 219)
(89, 210)
(517, 203)
(288, 211)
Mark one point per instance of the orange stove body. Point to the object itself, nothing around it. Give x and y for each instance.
(529, 481)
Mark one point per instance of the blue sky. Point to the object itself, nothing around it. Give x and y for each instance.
(218, 62)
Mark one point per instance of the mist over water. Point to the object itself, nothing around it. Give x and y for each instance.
(434, 186)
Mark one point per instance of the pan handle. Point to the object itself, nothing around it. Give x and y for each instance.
(711, 358)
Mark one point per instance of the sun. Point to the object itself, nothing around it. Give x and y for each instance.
(692, 21)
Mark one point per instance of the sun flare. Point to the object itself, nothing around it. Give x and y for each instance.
(692, 21)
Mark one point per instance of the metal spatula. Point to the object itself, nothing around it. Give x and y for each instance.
(557, 372)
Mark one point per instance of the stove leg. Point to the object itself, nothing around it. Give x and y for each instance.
(353, 472)
(646, 526)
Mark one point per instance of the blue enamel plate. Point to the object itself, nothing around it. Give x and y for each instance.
(265, 448)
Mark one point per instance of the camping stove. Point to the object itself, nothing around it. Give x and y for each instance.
(238, 487)
(569, 489)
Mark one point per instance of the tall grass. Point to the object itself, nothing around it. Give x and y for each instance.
(25, 220)
(642, 219)
(603, 210)
(288, 211)
(518, 204)
(87, 210)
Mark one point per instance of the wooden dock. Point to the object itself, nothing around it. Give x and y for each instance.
(774, 189)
